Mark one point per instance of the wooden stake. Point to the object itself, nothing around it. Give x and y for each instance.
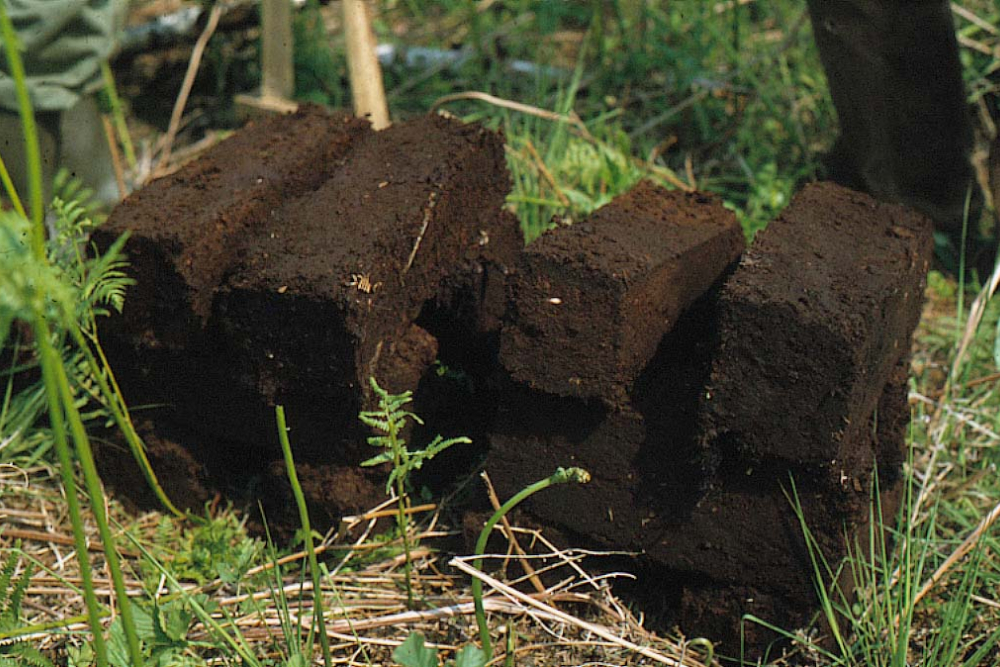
(276, 52)
(365, 72)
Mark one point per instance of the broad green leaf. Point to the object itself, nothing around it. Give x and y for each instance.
(413, 653)
(470, 656)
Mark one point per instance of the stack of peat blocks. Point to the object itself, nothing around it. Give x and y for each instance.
(288, 265)
(704, 431)
(709, 391)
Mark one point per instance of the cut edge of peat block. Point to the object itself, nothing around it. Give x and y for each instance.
(370, 247)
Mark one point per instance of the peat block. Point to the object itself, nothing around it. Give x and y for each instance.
(811, 325)
(591, 301)
(641, 454)
(728, 538)
(325, 294)
(186, 234)
(712, 515)
(290, 263)
(186, 227)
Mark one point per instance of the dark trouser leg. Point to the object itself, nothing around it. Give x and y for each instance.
(13, 153)
(84, 151)
(896, 82)
(73, 139)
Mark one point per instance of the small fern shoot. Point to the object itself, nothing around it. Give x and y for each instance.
(389, 421)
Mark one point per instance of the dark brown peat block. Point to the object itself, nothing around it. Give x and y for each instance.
(324, 296)
(591, 301)
(186, 228)
(822, 306)
(811, 325)
(289, 264)
(741, 549)
(711, 547)
(641, 454)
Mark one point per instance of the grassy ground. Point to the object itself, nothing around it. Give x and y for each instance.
(723, 97)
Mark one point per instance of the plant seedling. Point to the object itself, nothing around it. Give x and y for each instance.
(560, 476)
(389, 420)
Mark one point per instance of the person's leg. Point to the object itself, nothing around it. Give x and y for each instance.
(896, 82)
(73, 139)
(13, 153)
(84, 151)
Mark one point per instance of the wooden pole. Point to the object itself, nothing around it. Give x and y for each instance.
(276, 57)
(363, 66)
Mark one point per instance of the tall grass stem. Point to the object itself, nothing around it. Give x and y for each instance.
(118, 114)
(32, 152)
(95, 491)
(8, 185)
(101, 371)
(50, 363)
(300, 501)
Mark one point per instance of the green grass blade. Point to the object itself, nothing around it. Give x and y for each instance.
(32, 152)
(300, 501)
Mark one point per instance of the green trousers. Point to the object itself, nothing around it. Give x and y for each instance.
(63, 43)
(73, 139)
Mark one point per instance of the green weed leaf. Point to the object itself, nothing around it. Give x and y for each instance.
(173, 621)
(470, 656)
(413, 652)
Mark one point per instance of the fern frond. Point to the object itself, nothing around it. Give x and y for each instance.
(379, 441)
(17, 594)
(384, 457)
(440, 444)
(6, 574)
(68, 188)
(24, 655)
(386, 442)
(394, 474)
(108, 289)
(104, 280)
(375, 421)
(399, 417)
